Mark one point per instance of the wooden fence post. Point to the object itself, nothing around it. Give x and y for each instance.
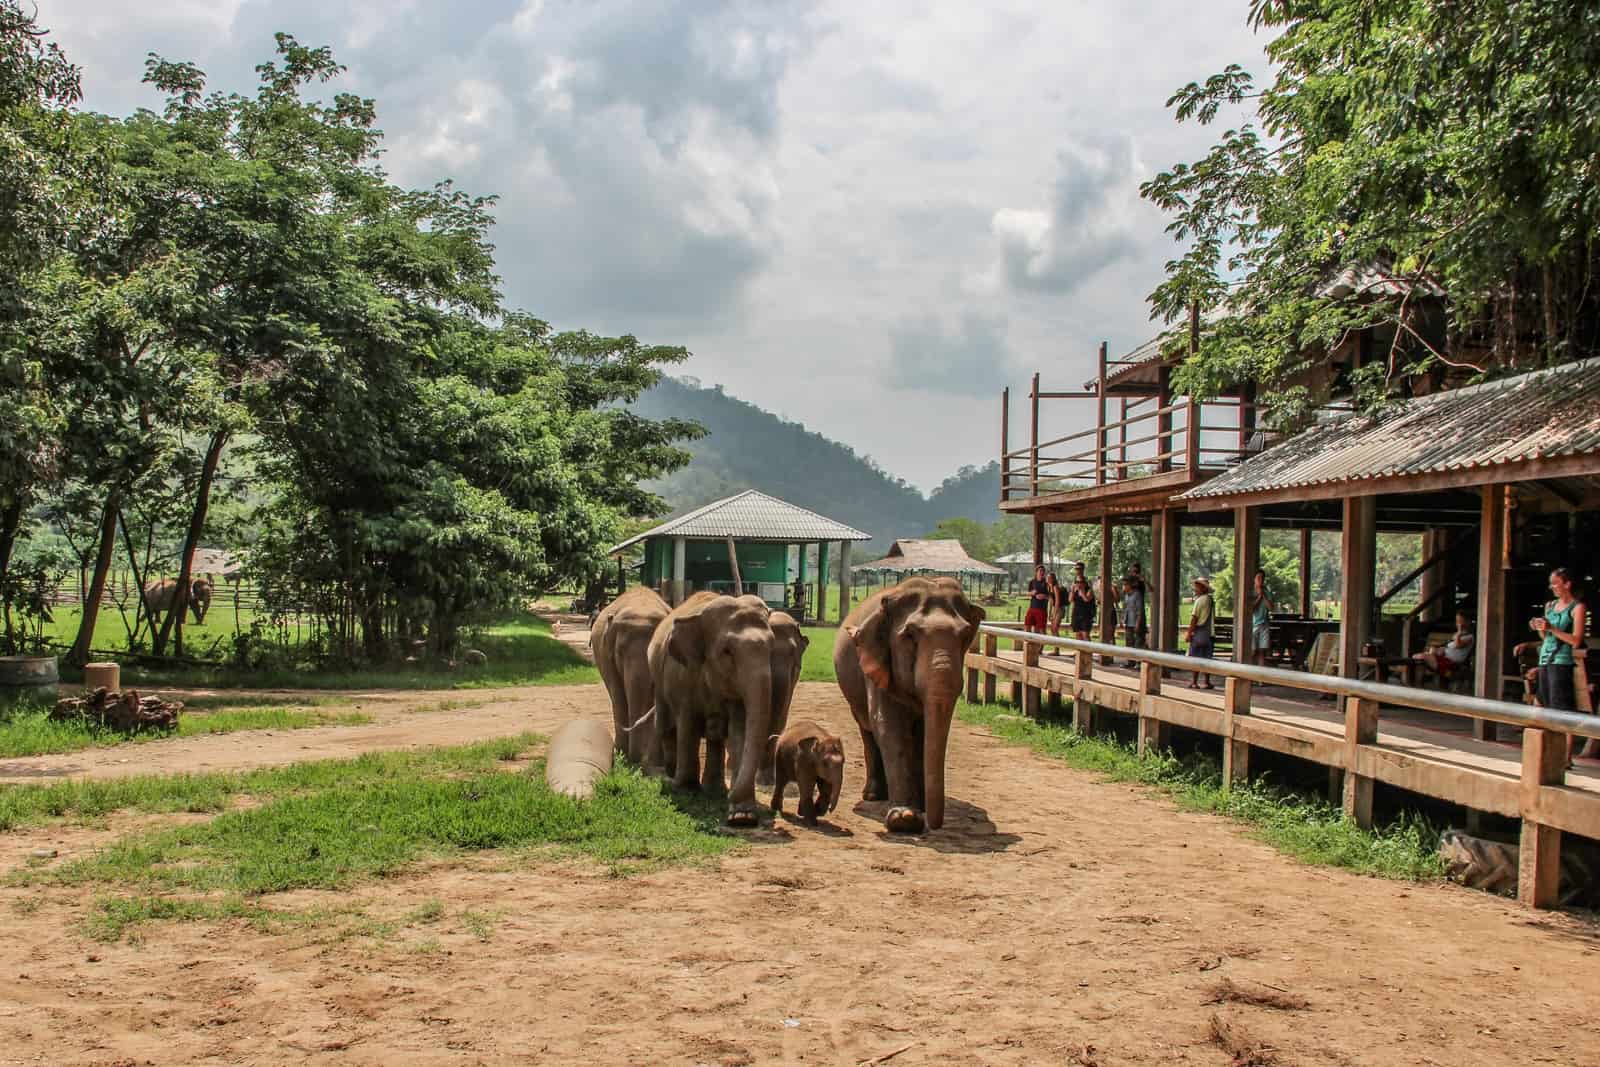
(991, 649)
(1360, 728)
(1030, 692)
(972, 670)
(1152, 731)
(1235, 754)
(1082, 710)
(1544, 761)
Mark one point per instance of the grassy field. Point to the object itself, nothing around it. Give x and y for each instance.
(332, 824)
(1307, 828)
(33, 733)
(520, 650)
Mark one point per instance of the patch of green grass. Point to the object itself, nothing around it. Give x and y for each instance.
(817, 666)
(34, 733)
(333, 824)
(91, 800)
(1307, 828)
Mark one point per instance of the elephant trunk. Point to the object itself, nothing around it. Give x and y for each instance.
(757, 696)
(835, 780)
(935, 737)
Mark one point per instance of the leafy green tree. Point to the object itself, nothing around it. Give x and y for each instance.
(1441, 148)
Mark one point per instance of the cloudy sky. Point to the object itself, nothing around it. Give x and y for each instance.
(868, 217)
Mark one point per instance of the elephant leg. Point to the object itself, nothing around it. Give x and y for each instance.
(894, 735)
(713, 780)
(638, 695)
(619, 710)
(806, 779)
(735, 742)
(780, 782)
(686, 771)
(877, 785)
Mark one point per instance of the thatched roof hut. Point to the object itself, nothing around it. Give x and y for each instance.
(915, 556)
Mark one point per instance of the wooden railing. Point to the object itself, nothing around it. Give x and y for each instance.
(1149, 435)
(1543, 801)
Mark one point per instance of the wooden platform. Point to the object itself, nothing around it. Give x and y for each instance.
(1430, 754)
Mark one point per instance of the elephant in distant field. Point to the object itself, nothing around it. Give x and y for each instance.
(711, 661)
(159, 597)
(899, 659)
(620, 640)
(789, 646)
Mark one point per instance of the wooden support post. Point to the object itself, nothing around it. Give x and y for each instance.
(1030, 692)
(1110, 594)
(1169, 590)
(822, 581)
(1305, 574)
(1038, 543)
(1152, 731)
(1544, 759)
(844, 580)
(972, 672)
(1247, 416)
(1436, 605)
(680, 568)
(1246, 558)
(1102, 440)
(1164, 417)
(1082, 710)
(1490, 655)
(1005, 444)
(991, 649)
(1122, 439)
(1358, 551)
(733, 564)
(1016, 694)
(1360, 728)
(1191, 448)
(1033, 448)
(1235, 753)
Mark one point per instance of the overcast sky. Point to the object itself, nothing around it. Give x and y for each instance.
(868, 217)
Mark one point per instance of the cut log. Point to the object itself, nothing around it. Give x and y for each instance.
(127, 712)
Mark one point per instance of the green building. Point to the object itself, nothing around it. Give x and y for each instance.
(767, 537)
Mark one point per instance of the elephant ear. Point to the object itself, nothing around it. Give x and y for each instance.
(687, 641)
(871, 639)
(973, 614)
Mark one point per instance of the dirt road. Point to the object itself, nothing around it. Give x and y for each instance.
(1054, 920)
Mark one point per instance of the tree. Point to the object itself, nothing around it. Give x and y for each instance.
(1435, 148)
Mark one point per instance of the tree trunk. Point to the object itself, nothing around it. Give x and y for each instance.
(10, 524)
(138, 578)
(191, 541)
(79, 653)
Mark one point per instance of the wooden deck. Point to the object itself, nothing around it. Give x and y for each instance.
(1430, 754)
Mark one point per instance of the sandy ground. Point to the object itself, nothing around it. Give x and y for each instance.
(1054, 919)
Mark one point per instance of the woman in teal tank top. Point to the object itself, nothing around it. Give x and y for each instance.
(1561, 626)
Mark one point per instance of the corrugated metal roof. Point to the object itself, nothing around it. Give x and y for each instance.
(1541, 415)
(751, 516)
(1376, 280)
(943, 556)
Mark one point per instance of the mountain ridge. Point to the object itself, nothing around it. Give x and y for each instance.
(748, 447)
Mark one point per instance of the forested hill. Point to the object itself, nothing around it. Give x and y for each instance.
(749, 448)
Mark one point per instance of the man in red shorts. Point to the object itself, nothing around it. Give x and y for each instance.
(1038, 616)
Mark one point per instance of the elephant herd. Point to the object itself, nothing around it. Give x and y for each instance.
(720, 672)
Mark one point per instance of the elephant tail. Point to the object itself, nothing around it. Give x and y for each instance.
(641, 720)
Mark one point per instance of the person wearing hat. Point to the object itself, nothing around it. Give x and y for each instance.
(1200, 621)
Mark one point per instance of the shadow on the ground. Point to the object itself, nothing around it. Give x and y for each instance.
(967, 829)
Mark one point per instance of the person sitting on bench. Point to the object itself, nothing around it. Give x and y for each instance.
(1450, 657)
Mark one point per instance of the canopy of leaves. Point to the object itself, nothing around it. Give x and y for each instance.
(1451, 147)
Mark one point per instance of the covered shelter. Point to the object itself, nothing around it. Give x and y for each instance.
(945, 556)
(744, 543)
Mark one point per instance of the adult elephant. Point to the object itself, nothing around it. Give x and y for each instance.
(711, 661)
(899, 658)
(620, 640)
(789, 646)
(159, 598)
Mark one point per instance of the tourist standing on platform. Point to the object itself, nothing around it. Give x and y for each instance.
(1038, 616)
(1057, 598)
(1133, 626)
(1260, 619)
(1200, 622)
(1137, 571)
(1561, 626)
(1083, 605)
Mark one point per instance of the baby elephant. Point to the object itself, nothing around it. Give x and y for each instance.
(813, 759)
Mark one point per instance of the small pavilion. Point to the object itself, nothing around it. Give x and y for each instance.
(749, 542)
(943, 556)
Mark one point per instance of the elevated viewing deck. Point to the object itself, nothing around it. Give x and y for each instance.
(1157, 446)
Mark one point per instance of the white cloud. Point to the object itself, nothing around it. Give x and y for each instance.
(869, 217)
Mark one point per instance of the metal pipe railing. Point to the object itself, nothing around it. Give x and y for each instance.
(1500, 711)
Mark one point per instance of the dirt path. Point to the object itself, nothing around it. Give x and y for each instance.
(1054, 920)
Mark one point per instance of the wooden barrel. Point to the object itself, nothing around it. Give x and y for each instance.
(28, 679)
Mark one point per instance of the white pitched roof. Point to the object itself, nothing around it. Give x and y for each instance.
(750, 516)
